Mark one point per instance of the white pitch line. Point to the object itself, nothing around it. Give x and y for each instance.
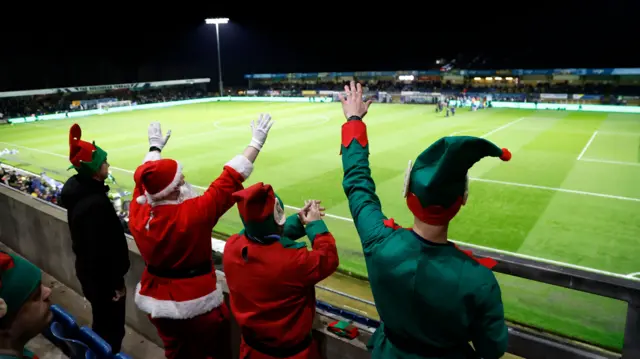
(594, 194)
(587, 145)
(218, 245)
(501, 127)
(610, 162)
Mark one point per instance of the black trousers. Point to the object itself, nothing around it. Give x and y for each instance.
(108, 316)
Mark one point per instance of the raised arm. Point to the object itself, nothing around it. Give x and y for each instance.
(218, 199)
(357, 182)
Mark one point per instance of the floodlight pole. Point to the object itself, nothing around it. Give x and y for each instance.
(219, 62)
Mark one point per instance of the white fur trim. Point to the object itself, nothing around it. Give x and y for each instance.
(152, 156)
(169, 188)
(407, 177)
(178, 310)
(141, 199)
(242, 165)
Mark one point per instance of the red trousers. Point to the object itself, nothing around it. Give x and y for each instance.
(246, 352)
(206, 336)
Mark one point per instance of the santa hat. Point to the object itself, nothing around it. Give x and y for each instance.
(85, 157)
(261, 210)
(156, 179)
(436, 183)
(18, 280)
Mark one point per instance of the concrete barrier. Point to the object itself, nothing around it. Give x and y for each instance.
(38, 231)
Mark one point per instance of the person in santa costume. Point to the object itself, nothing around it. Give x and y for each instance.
(272, 278)
(172, 227)
(433, 299)
(25, 310)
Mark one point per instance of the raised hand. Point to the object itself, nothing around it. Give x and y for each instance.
(155, 136)
(352, 103)
(312, 211)
(260, 130)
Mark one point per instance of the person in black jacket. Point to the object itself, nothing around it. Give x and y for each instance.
(98, 240)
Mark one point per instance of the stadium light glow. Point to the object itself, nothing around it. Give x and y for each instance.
(406, 77)
(498, 78)
(508, 78)
(477, 78)
(217, 21)
(488, 78)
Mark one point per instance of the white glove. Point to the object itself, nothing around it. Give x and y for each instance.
(260, 130)
(155, 136)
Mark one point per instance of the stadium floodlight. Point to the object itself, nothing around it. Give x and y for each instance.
(218, 21)
(498, 78)
(406, 77)
(508, 78)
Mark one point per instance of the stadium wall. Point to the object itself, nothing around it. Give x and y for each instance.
(38, 231)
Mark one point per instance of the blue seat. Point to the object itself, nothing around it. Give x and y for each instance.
(121, 356)
(95, 343)
(64, 318)
(76, 348)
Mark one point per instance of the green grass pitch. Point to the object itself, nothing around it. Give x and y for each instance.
(570, 193)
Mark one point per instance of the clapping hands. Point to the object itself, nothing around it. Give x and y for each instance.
(312, 211)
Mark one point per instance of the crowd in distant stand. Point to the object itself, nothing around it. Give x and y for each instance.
(48, 189)
(62, 102)
(439, 86)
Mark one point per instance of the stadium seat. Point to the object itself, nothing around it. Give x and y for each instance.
(76, 348)
(95, 343)
(61, 316)
(121, 356)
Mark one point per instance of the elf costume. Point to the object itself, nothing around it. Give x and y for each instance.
(433, 299)
(178, 286)
(271, 278)
(18, 281)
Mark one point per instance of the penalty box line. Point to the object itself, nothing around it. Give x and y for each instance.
(218, 245)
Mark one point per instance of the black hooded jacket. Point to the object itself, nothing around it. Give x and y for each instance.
(99, 243)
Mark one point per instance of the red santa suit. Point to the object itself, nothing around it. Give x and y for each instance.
(271, 277)
(178, 286)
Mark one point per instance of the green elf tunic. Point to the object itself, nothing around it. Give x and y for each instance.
(433, 299)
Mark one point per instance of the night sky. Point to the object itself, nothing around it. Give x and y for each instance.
(67, 46)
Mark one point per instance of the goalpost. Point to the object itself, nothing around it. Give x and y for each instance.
(105, 106)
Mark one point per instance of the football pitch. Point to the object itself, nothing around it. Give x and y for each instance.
(570, 194)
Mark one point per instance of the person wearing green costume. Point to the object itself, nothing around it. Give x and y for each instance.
(433, 298)
(25, 310)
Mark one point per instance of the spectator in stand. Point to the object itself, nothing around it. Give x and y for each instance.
(172, 227)
(271, 277)
(433, 298)
(24, 306)
(102, 254)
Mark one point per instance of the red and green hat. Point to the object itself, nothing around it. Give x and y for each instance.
(261, 210)
(85, 157)
(436, 183)
(18, 280)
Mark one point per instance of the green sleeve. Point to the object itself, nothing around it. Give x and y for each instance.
(316, 228)
(359, 187)
(489, 332)
(293, 229)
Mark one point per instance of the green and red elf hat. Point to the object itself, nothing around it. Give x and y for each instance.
(85, 157)
(261, 210)
(18, 280)
(435, 185)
